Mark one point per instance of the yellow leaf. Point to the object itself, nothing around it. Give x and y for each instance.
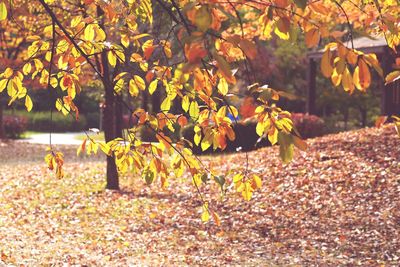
(197, 135)
(3, 84)
(28, 103)
(112, 58)
(207, 140)
(347, 81)
(194, 110)
(336, 78)
(282, 28)
(273, 137)
(166, 104)
(125, 40)
(8, 73)
(89, 32)
(3, 11)
(153, 86)
(260, 129)
(53, 82)
(223, 86)
(139, 82)
(391, 77)
(205, 216)
(27, 68)
(185, 103)
(247, 192)
(238, 177)
(133, 89)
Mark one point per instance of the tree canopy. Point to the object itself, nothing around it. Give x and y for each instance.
(190, 51)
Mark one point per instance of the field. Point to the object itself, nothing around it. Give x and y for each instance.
(336, 204)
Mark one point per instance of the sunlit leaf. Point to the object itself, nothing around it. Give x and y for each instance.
(3, 11)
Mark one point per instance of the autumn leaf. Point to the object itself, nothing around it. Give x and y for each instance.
(203, 18)
(3, 11)
(312, 37)
(28, 103)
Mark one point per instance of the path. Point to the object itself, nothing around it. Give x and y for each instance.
(56, 138)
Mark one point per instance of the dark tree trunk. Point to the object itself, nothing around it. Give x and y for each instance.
(119, 121)
(111, 120)
(2, 132)
(109, 123)
(110, 133)
(156, 101)
(145, 100)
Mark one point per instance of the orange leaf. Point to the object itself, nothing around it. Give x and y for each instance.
(364, 74)
(312, 38)
(380, 121)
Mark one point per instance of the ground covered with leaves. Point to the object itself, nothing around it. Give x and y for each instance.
(336, 204)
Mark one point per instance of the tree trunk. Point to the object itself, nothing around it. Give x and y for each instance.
(156, 101)
(110, 133)
(119, 121)
(109, 123)
(145, 100)
(2, 132)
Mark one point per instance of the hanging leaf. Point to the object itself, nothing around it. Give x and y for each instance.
(3, 11)
(112, 58)
(326, 63)
(222, 86)
(194, 110)
(28, 103)
(364, 74)
(391, 77)
(153, 86)
(312, 37)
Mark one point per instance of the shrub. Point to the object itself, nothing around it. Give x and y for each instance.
(14, 126)
(41, 122)
(308, 125)
(92, 120)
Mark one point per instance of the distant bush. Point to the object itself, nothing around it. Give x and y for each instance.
(14, 126)
(92, 120)
(40, 121)
(309, 126)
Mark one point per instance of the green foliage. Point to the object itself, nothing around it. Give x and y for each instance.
(41, 122)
